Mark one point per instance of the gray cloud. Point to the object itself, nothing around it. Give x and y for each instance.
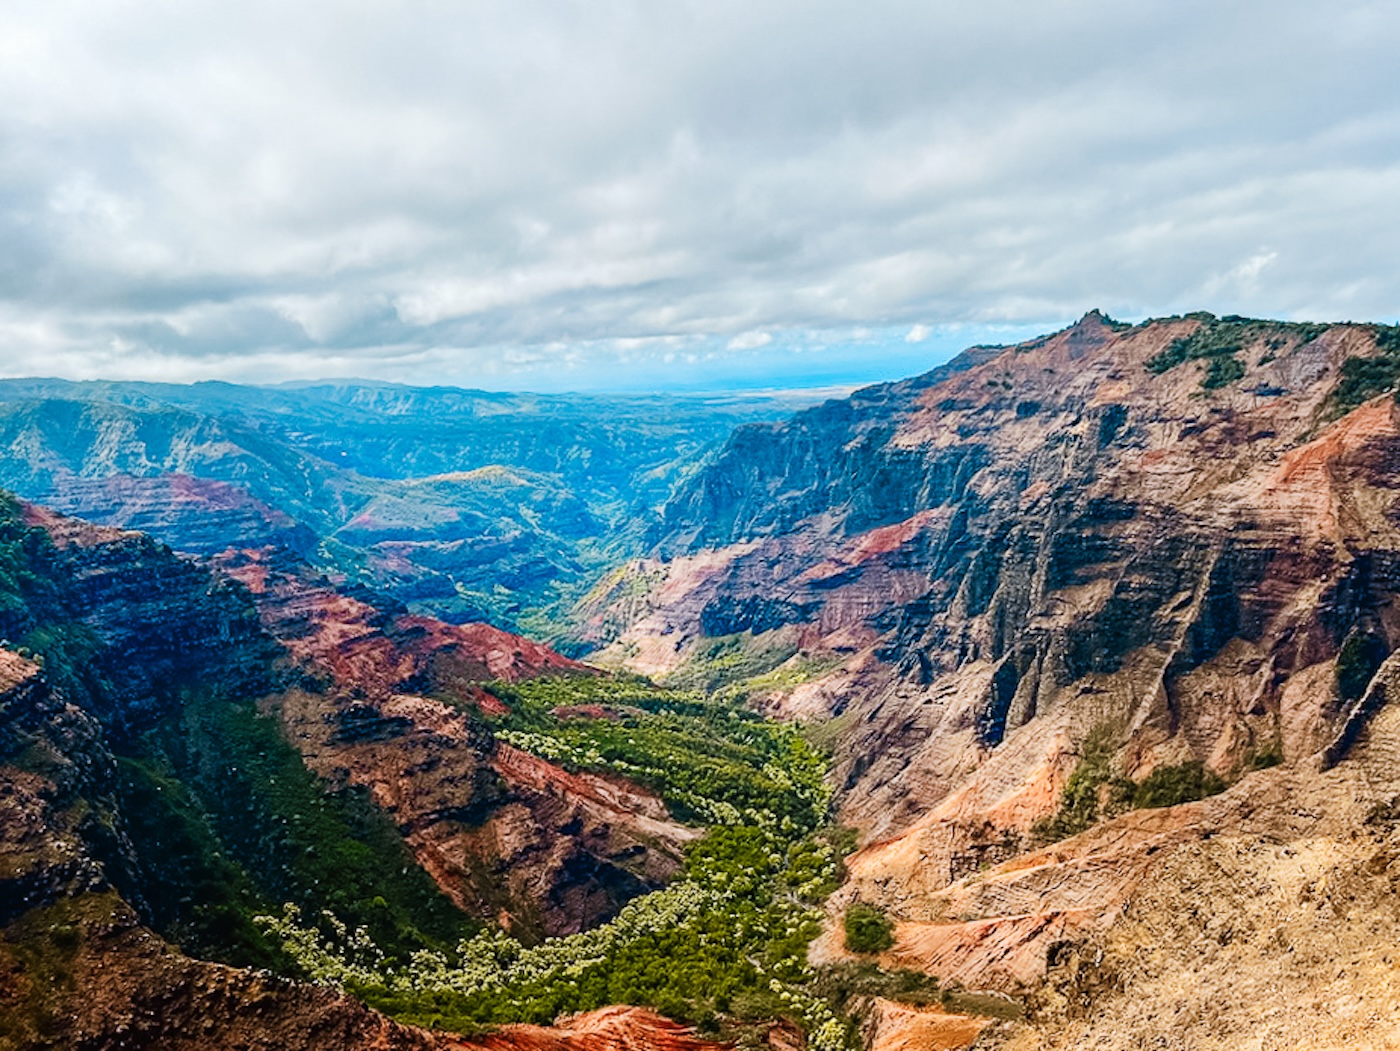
(568, 193)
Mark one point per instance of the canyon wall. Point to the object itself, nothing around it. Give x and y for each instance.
(1170, 549)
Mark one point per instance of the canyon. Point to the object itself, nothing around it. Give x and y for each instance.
(1097, 631)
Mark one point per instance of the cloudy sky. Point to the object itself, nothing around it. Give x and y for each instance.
(611, 194)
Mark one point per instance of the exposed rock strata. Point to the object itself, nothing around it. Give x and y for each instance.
(1040, 540)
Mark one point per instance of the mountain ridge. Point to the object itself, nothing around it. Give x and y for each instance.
(377, 483)
(1041, 590)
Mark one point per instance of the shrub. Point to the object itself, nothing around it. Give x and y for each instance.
(1364, 378)
(868, 929)
(1222, 372)
(712, 762)
(1170, 785)
(1218, 340)
(1361, 654)
(1271, 755)
(1080, 801)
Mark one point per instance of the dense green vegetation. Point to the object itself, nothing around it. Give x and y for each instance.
(1218, 340)
(724, 945)
(1222, 371)
(867, 929)
(728, 660)
(1364, 378)
(710, 761)
(728, 940)
(196, 895)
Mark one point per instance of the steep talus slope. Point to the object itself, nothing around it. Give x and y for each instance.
(1115, 551)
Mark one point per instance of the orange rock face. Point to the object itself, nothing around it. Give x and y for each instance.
(607, 1029)
(899, 1027)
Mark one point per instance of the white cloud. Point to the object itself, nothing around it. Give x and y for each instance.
(1242, 279)
(750, 340)
(363, 185)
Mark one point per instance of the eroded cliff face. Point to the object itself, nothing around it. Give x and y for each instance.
(1094, 535)
(1053, 536)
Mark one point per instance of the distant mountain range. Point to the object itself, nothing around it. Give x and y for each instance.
(463, 504)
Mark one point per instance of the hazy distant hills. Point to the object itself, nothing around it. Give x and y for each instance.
(466, 504)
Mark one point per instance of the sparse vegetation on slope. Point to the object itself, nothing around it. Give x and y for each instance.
(1364, 378)
(1218, 340)
(1095, 791)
